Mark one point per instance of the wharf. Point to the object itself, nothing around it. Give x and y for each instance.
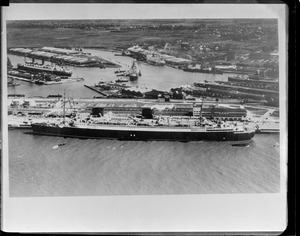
(69, 57)
(139, 100)
(20, 78)
(68, 80)
(38, 108)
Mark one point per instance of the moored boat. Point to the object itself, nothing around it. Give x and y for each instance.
(134, 72)
(252, 81)
(40, 82)
(121, 80)
(120, 71)
(12, 83)
(133, 76)
(34, 67)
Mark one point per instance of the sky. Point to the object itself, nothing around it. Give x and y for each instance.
(32, 11)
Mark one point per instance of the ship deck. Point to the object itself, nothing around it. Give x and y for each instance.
(154, 128)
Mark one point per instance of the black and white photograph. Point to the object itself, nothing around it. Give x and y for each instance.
(144, 117)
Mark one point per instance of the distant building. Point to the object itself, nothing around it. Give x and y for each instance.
(197, 108)
(225, 112)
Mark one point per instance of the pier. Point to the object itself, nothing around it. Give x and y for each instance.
(38, 109)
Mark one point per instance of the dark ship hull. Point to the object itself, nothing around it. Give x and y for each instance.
(133, 77)
(252, 81)
(144, 134)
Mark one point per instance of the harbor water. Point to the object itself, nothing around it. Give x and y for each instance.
(55, 166)
(154, 77)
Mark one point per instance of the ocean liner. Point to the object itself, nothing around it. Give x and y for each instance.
(134, 128)
(34, 67)
(155, 60)
(252, 81)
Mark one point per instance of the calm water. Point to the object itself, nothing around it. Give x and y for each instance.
(162, 78)
(38, 167)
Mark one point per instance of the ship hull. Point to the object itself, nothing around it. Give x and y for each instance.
(142, 134)
(155, 63)
(252, 81)
(133, 77)
(32, 69)
(203, 71)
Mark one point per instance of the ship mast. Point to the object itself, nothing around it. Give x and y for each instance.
(64, 108)
(201, 109)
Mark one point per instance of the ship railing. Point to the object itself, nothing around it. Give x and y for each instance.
(192, 128)
(213, 130)
(131, 125)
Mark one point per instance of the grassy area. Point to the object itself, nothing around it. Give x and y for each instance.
(38, 37)
(96, 33)
(241, 36)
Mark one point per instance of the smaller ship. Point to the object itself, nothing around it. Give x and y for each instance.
(134, 71)
(121, 80)
(12, 83)
(240, 144)
(251, 80)
(40, 82)
(35, 67)
(120, 71)
(125, 73)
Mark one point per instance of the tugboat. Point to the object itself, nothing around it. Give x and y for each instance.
(121, 80)
(120, 71)
(40, 82)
